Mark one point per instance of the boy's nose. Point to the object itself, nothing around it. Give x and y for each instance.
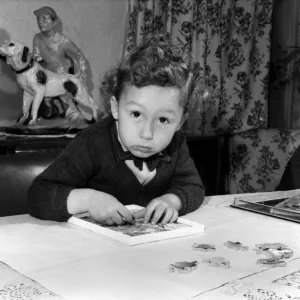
(147, 132)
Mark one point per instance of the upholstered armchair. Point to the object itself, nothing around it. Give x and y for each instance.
(258, 159)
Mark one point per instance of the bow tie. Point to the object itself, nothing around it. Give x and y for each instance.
(151, 162)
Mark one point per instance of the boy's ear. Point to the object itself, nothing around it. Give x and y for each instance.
(183, 119)
(114, 107)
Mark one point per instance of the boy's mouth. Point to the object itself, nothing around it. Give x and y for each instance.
(142, 149)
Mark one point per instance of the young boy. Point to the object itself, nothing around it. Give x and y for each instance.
(138, 155)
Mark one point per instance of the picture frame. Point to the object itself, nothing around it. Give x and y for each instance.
(270, 206)
(139, 233)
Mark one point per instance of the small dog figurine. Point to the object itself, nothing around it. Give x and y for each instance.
(38, 83)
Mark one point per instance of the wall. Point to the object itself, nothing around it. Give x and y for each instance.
(96, 26)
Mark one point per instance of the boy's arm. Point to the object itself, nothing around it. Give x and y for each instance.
(47, 196)
(186, 182)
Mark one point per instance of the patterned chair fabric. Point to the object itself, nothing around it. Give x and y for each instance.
(258, 159)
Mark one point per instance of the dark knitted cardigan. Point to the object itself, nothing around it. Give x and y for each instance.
(91, 160)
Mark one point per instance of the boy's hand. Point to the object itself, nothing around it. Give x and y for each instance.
(106, 209)
(159, 210)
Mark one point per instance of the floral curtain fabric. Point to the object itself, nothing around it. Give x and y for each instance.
(230, 45)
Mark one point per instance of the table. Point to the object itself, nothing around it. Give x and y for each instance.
(74, 263)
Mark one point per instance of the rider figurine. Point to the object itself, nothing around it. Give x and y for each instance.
(57, 53)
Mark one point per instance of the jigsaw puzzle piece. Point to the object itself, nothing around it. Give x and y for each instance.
(183, 266)
(203, 247)
(272, 262)
(236, 246)
(218, 262)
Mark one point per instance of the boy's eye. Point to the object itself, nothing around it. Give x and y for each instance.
(164, 120)
(136, 114)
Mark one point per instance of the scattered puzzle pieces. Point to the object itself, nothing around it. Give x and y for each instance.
(276, 253)
(274, 250)
(236, 246)
(183, 266)
(219, 262)
(267, 246)
(282, 253)
(203, 247)
(272, 262)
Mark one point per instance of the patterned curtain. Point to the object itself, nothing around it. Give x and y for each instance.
(230, 45)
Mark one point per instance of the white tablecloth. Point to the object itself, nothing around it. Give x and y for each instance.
(78, 264)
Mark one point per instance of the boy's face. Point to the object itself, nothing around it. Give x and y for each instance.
(148, 118)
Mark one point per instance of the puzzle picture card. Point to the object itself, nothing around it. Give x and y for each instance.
(139, 233)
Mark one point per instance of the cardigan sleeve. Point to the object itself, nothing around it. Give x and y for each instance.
(186, 182)
(47, 196)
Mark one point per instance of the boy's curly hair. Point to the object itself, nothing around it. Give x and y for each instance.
(157, 61)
